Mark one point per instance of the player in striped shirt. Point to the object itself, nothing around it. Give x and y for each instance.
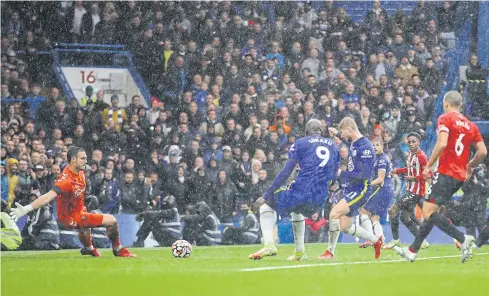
(415, 164)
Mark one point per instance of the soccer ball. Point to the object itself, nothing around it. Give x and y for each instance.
(181, 249)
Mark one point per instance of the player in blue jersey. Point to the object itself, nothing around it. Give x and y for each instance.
(357, 180)
(318, 159)
(383, 192)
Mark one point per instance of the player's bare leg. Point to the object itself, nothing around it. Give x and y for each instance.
(366, 223)
(85, 237)
(112, 226)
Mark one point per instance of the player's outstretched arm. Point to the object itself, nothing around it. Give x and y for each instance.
(20, 211)
(280, 178)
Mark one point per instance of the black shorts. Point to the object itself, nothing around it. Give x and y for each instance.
(442, 188)
(409, 201)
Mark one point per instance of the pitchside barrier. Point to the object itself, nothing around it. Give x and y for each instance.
(129, 226)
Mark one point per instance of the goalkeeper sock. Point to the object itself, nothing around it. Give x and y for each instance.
(333, 234)
(268, 218)
(366, 223)
(299, 228)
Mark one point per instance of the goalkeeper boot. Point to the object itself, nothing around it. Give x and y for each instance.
(298, 256)
(123, 252)
(393, 243)
(94, 252)
(264, 252)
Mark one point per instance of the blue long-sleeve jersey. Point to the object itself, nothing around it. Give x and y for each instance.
(360, 163)
(318, 159)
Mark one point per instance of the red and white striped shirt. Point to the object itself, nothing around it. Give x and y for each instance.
(416, 162)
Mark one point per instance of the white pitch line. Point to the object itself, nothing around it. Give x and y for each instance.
(346, 263)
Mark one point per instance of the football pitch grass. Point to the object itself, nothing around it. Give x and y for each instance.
(225, 270)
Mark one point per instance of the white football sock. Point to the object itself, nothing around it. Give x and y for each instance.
(90, 248)
(333, 234)
(268, 218)
(366, 223)
(378, 230)
(358, 231)
(299, 228)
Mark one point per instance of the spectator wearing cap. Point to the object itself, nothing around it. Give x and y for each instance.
(228, 163)
(409, 123)
(348, 109)
(213, 152)
(88, 96)
(41, 177)
(405, 71)
(114, 116)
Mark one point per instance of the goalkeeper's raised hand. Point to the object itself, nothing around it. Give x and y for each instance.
(20, 211)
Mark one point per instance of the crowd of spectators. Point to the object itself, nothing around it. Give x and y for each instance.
(231, 91)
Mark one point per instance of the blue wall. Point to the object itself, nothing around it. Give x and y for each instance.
(483, 34)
